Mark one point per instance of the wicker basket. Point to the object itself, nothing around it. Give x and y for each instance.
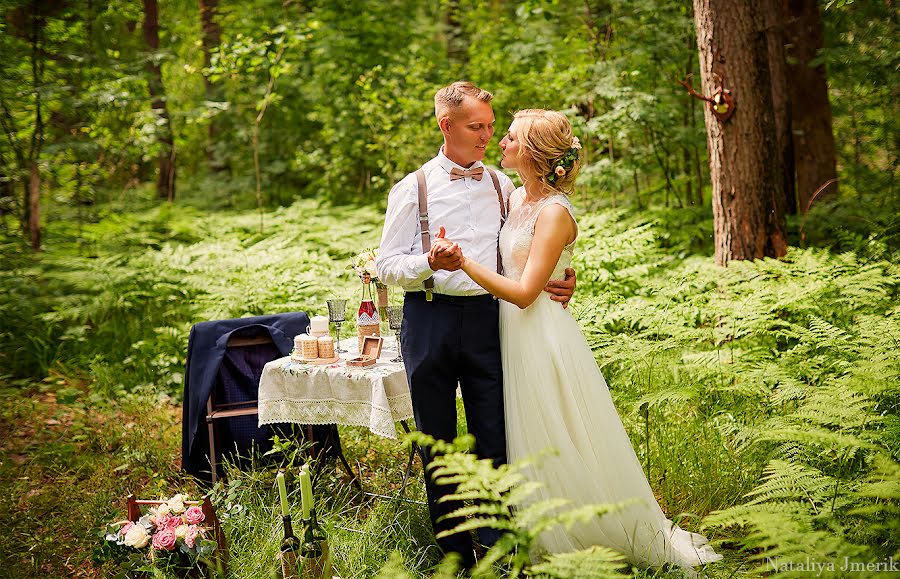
(363, 331)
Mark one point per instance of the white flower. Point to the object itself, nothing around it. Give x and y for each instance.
(370, 269)
(576, 144)
(176, 504)
(158, 511)
(560, 171)
(181, 531)
(137, 537)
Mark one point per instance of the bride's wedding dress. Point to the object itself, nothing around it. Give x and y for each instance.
(556, 397)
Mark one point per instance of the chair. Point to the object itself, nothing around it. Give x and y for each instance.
(225, 360)
(233, 401)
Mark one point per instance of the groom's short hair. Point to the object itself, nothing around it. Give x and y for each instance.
(452, 96)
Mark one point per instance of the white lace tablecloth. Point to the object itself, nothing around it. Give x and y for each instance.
(375, 397)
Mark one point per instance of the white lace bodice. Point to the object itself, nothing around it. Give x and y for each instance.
(518, 232)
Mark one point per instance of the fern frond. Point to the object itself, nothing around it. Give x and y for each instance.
(784, 480)
(592, 563)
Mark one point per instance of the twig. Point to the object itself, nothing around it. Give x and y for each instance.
(819, 190)
(686, 83)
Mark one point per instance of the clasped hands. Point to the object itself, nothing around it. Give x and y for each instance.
(448, 255)
(445, 254)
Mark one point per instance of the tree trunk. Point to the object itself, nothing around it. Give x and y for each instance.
(745, 168)
(165, 184)
(814, 149)
(33, 203)
(210, 34)
(781, 101)
(457, 43)
(688, 124)
(34, 206)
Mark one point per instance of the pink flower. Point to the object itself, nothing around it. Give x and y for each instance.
(164, 540)
(126, 527)
(194, 515)
(173, 522)
(190, 536)
(159, 520)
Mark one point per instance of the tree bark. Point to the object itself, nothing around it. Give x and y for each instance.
(781, 100)
(165, 184)
(210, 34)
(34, 206)
(745, 168)
(457, 43)
(33, 202)
(814, 149)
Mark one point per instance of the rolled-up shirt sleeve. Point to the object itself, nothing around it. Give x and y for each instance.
(398, 262)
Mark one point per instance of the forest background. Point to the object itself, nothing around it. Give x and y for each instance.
(165, 164)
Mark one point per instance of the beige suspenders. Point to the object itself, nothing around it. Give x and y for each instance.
(423, 221)
(423, 226)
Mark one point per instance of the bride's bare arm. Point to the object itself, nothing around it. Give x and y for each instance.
(552, 232)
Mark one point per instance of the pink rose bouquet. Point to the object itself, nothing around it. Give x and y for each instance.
(170, 535)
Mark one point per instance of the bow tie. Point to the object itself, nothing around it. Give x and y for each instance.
(457, 173)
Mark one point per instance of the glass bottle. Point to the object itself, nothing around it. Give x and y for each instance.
(291, 548)
(368, 322)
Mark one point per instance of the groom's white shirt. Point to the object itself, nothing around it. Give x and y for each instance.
(466, 208)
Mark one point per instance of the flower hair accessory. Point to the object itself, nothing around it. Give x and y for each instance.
(564, 163)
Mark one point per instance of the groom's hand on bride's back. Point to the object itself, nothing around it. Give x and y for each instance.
(444, 253)
(562, 290)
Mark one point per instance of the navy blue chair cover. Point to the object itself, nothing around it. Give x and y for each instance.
(231, 375)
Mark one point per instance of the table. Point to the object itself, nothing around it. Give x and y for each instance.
(376, 396)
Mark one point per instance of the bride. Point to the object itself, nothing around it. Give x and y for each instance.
(555, 395)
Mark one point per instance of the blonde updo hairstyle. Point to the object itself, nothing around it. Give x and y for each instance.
(546, 142)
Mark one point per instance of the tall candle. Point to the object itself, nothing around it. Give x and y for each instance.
(306, 496)
(318, 325)
(282, 492)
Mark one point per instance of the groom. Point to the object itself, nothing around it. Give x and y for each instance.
(451, 331)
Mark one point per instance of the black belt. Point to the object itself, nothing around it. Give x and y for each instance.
(420, 296)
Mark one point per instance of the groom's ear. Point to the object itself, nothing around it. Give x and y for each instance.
(444, 124)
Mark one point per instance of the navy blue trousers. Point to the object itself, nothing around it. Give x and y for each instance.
(449, 341)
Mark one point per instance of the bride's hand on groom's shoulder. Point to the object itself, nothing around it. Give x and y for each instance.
(444, 254)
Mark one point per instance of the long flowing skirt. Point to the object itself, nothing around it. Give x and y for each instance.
(556, 397)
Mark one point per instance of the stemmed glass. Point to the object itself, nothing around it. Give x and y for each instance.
(336, 309)
(395, 321)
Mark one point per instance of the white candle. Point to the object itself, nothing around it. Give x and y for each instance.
(309, 346)
(326, 347)
(318, 325)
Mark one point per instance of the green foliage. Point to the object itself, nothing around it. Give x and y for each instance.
(499, 498)
(793, 363)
